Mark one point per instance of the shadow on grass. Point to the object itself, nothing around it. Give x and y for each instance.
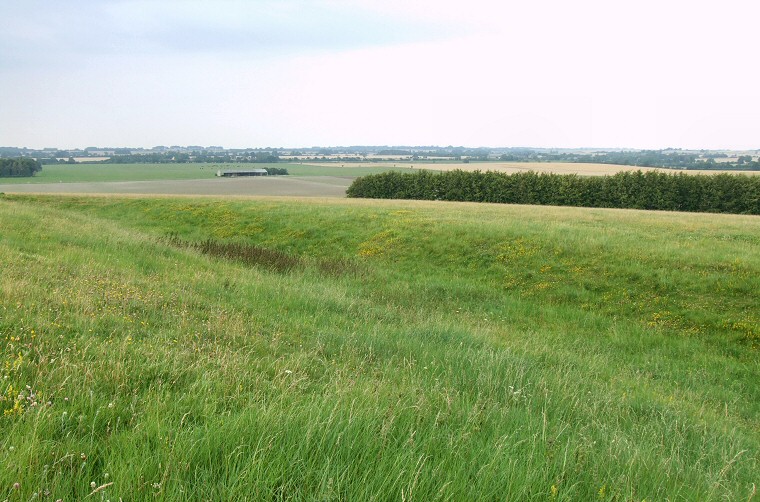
(271, 259)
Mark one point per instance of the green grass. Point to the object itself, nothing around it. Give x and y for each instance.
(410, 351)
(70, 173)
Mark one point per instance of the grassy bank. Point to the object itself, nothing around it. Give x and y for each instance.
(356, 350)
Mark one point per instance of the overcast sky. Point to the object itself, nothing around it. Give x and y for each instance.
(551, 73)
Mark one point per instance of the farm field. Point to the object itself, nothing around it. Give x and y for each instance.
(90, 173)
(516, 167)
(78, 173)
(293, 186)
(187, 349)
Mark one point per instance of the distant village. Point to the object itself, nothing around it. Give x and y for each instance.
(670, 158)
(195, 153)
(192, 153)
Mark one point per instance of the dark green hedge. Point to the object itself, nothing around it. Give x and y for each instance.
(276, 170)
(720, 193)
(19, 167)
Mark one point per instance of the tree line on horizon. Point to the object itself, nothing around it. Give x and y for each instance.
(640, 158)
(669, 159)
(718, 193)
(194, 158)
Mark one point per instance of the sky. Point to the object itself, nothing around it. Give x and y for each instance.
(298, 73)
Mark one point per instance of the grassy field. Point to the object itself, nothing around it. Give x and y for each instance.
(82, 173)
(72, 173)
(200, 349)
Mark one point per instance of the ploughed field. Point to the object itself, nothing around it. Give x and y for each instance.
(278, 186)
(391, 350)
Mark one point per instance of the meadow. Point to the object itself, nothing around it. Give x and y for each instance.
(282, 349)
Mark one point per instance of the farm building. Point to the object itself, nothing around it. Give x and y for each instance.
(248, 172)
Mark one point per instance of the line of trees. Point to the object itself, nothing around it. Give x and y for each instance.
(19, 167)
(721, 193)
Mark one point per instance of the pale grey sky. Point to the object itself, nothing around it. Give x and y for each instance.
(587, 73)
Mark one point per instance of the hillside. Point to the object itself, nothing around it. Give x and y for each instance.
(182, 348)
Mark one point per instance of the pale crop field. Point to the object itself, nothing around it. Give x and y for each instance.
(583, 169)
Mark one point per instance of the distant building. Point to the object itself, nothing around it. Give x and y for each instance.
(248, 172)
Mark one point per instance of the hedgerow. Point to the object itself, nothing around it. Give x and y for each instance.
(719, 193)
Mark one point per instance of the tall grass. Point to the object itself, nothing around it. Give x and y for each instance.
(484, 352)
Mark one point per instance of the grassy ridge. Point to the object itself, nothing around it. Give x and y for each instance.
(452, 351)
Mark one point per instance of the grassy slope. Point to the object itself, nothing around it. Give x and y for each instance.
(147, 172)
(453, 351)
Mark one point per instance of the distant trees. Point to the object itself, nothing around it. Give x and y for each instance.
(22, 166)
(721, 193)
(744, 159)
(172, 157)
(276, 170)
(394, 151)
